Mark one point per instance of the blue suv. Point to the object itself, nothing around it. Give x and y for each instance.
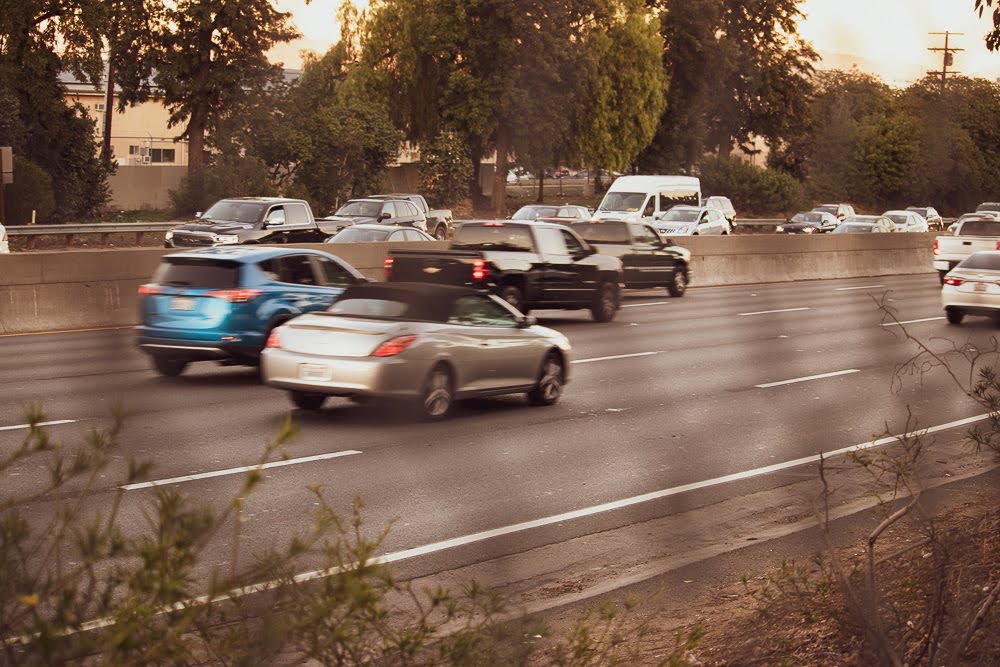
(222, 303)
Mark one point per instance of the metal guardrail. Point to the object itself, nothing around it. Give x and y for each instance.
(103, 229)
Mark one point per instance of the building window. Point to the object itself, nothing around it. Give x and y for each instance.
(134, 150)
(164, 155)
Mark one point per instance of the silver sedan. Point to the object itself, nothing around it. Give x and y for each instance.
(427, 344)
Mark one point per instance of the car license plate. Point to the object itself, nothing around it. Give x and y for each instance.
(182, 303)
(980, 287)
(315, 372)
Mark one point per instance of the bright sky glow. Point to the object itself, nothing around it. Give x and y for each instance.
(885, 37)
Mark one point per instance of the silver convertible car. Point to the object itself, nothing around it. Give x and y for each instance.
(427, 344)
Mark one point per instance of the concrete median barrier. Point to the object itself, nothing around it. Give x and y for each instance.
(66, 290)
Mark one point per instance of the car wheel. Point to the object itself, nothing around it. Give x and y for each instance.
(168, 367)
(678, 283)
(551, 378)
(307, 400)
(437, 395)
(954, 315)
(441, 233)
(512, 294)
(605, 303)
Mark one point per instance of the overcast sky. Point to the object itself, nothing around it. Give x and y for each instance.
(885, 37)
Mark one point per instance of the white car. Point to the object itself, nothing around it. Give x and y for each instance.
(723, 204)
(693, 220)
(973, 287)
(4, 243)
(908, 221)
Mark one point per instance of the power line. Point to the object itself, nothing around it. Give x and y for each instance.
(947, 58)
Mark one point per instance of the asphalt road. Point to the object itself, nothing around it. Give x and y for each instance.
(676, 405)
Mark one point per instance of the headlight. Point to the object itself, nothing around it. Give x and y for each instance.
(683, 230)
(169, 235)
(808, 230)
(779, 229)
(227, 239)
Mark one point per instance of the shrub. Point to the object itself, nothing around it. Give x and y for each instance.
(445, 170)
(225, 176)
(751, 189)
(30, 191)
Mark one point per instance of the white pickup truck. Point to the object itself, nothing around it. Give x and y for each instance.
(967, 236)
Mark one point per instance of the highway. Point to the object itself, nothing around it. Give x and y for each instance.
(663, 404)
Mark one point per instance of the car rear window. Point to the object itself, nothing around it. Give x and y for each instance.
(374, 308)
(981, 260)
(497, 236)
(198, 273)
(980, 228)
(602, 232)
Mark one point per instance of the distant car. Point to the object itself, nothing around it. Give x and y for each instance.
(929, 214)
(374, 233)
(907, 221)
(692, 221)
(723, 204)
(4, 241)
(222, 303)
(371, 210)
(973, 287)
(841, 211)
(425, 343)
(988, 206)
(552, 213)
(865, 224)
(981, 215)
(808, 222)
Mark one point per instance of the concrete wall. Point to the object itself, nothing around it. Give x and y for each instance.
(146, 186)
(55, 291)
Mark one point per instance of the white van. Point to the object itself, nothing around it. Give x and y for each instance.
(647, 198)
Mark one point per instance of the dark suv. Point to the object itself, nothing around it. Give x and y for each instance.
(222, 303)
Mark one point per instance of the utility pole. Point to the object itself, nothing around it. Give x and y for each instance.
(947, 59)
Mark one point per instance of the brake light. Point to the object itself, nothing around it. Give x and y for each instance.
(235, 295)
(274, 340)
(149, 289)
(496, 223)
(998, 245)
(480, 270)
(387, 267)
(937, 248)
(394, 346)
(954, 282)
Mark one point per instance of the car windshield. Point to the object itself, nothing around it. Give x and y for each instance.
(534, 212)
(235, 211)
(495, 236)
(827, 209)
(919, 211)
(807, 217)
(198, 273)
(989, 206)
(897, 218)
(359, 235)
(680, 215)
(848, 228)
(602, 232)
(367, 209)
(628, 202)
(981, 260)
(980, 228)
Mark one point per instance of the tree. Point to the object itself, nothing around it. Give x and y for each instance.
(214, 57)
(992, 37)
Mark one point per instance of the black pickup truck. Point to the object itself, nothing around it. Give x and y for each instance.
(252, 220)
(648, 259)
(528, 264)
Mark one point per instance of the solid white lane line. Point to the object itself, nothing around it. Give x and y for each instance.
(650, 303)
(926, 319)
(519, 527)
(768, 312)
(807, 378)
(848, 289)
(617, 356)
(17, 427)
(236, 471)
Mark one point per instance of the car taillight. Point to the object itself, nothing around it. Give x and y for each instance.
(954, 282)
(387, 267)
(147, 290)
(274, 340)
(937, 248)
(394, 346)
(235, 295)
(480, 270)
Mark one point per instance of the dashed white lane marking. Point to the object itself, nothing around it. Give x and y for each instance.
(926, 319)
(518, 527)
(236, 471)
(807, 378)
(649, 303)
(768, 312)
(617, 356)
(848, 289)
(18, 427)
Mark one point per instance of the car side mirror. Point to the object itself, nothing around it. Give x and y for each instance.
(198, 214)
(274, 223)
(527, 321)
(383, 216)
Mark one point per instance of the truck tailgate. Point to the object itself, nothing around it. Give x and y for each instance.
(446, 267)
(963, 246)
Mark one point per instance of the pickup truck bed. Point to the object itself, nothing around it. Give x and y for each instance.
(969, 236)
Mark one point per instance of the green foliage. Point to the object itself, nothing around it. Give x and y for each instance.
(993, 36)
(31, 190)
(225, 176)
(445, 170)
(751, 189)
